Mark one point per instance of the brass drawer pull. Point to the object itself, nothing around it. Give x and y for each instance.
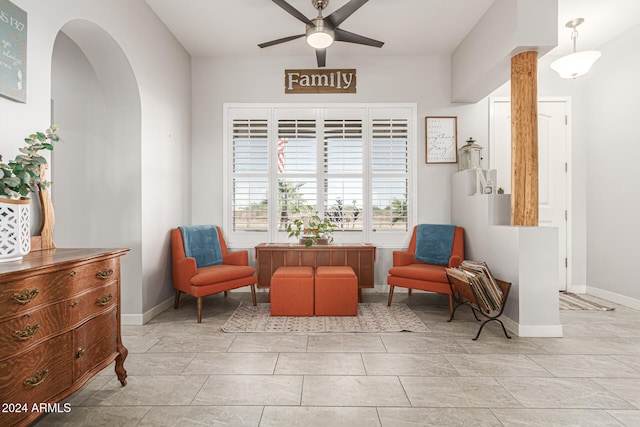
(73, 304)
(37, 378)
(26, 296)
(104, 300)
(73, 273)
(27, 333)
(104, 274)
(81, 352)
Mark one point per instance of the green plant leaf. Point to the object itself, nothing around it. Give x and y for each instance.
(12, 181)
(24, 176)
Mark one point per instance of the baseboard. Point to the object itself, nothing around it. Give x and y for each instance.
(532, 331)
(141, 319)
(613, 297)
(131, 319)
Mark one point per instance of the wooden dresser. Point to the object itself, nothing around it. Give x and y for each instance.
(59, 326)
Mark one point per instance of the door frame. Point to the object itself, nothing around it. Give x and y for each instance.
(567, 151)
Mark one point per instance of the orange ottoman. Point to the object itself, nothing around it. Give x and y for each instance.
(336, 291)
(291, 291)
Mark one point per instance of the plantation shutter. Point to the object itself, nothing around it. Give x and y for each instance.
(343, 164)
(389, 173)
(297, 165)
(250, 174)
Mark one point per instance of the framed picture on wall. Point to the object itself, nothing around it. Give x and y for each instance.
(13, 52)
(442, 139)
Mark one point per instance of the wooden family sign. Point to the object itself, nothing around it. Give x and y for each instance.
(320, 81)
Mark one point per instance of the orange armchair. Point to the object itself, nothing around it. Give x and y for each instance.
(234, 272)
(408, 272)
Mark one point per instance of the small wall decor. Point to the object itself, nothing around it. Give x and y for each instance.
(13, 52)
(442, 139)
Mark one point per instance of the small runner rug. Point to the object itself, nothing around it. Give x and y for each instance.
(372, 317)
(569, 301)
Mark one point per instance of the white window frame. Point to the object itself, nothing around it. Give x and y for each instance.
(271, 113)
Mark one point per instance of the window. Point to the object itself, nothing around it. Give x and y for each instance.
(348, 163)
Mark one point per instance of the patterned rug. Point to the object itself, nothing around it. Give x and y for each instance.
(372, 317)
(569, 301)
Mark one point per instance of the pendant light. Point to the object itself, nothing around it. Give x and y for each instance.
(577, 63)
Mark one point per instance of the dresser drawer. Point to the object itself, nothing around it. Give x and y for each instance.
(30, 293)
(25, 294)
(37, 376)
(94, 342)
(23, 331)
(95, 274)
(87, 304)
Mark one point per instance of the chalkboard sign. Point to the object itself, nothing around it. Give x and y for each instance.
(442, 139)
(13, 51)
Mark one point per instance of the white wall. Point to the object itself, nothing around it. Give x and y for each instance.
(161, 180)
(613, 150)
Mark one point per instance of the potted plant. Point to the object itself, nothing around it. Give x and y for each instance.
(310, 228)
(20, 177)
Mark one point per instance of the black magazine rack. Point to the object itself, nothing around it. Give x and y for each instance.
(464, 293)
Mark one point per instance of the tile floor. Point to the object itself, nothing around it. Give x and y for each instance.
(186, 374)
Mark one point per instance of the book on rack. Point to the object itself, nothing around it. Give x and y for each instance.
(476, 273)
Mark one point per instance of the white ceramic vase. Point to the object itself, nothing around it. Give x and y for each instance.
(15, 233)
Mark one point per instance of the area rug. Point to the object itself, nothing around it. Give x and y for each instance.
(569, 301)
(372, 317)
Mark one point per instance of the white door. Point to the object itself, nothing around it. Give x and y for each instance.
(553, 143)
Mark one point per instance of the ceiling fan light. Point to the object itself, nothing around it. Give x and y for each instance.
(575, 64)
(320, 39)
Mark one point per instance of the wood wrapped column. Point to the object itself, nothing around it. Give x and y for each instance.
(524, 139)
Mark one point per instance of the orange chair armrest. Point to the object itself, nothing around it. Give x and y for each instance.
(236, 258)
(455, 261)
(401, 258)
(184, 269)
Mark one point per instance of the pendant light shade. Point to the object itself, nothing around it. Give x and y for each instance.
(577, 63)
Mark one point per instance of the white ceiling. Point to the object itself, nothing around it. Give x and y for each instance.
(408, 27)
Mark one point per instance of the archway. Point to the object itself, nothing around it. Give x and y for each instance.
(97, 169)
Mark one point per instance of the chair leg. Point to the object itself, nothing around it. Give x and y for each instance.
(390, 295)
(199, 309)
(410, 291)
(177, 300)
(451, 304)
(253, 294)
(225, 294)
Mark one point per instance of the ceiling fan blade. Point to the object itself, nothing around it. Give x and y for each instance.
(293, 11)
(282, 40)
(338, 17)
(321, 56)
(346, 36)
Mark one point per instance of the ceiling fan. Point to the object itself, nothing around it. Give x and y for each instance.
(321, 32)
